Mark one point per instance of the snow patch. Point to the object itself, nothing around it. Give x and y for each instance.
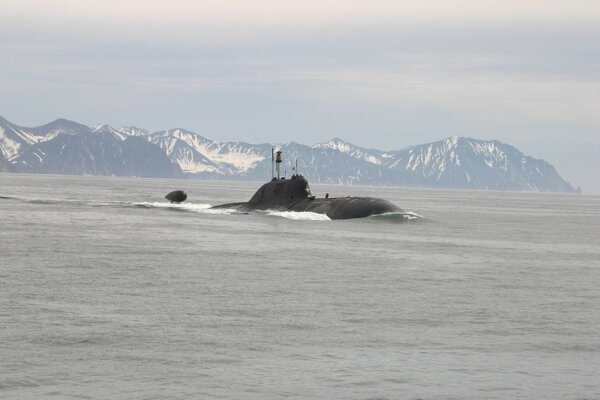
(8, 147)
(350, 149)
(196, 167)
(105, 128)
(132, 131)
(241, 161)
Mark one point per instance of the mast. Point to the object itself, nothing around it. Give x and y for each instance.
(272, 162)
(278, 162)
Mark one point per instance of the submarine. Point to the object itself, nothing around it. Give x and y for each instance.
(294, 194)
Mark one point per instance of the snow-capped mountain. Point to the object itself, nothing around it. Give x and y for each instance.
(96, 153)
(185, 149)
(197, 154)
(14, 138)
(122, 133)
(369, 155)
(471, 163)
(64, 146)
(105, 128)
(133, 131)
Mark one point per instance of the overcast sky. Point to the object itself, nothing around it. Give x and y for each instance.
(382, 74)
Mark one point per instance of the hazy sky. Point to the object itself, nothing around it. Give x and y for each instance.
(383, 74)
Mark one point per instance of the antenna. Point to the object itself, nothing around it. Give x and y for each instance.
(272, 163)
(297, 174)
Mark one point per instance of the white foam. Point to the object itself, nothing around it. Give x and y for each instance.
(412, 215)
(406, 215)
(300, 215)
(198, 208)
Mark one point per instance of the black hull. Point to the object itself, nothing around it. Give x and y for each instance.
(176, 196)
(294, 195)
(334, 208)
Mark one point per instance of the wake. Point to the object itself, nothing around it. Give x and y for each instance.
(189, 207)
(299, 215)
(203, 208)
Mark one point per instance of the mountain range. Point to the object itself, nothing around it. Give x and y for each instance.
(67, 147)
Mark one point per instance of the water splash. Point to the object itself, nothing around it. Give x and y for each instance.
(191, 207)
(401, 216)
(299, 215)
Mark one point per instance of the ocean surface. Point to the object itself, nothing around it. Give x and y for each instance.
(109, 292)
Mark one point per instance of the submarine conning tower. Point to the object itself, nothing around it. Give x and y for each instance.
(280, 190)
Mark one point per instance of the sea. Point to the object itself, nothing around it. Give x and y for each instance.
(107, 291)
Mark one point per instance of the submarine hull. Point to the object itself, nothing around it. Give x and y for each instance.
(294, 195)
(334, 208)
(347, 207)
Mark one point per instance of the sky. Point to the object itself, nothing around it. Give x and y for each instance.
(379, 74)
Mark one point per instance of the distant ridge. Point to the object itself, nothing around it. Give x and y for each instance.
(96, 154)
(67, 147)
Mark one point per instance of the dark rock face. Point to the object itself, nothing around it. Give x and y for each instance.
(145, 159)
(60, 127)
(5, 166)
(96, 154)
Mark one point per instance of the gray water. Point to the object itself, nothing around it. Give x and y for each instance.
(108, 292)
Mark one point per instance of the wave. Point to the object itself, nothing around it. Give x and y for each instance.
(38, 201)
(55, 201)
(203, 208)
(190, 207)
(299, 215)
(399, 216)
